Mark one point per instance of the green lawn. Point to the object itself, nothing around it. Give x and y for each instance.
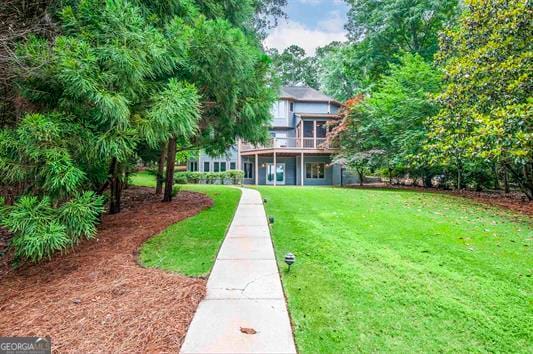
(401, 271)
(190, 246)
(143, 178)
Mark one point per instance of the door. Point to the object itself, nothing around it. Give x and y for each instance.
(279, 173)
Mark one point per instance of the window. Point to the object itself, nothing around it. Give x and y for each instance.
(309, 129)
(222, 166)
(207, 166)
(321, 129)
(232, 165)
(315, 170)
(193, 166)
(248, 170)
(216, 167)
(292, 106)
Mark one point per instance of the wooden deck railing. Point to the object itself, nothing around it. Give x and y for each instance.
(289, 143)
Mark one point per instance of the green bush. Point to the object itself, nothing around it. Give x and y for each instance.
(175, 190)
(236, 176)
(230, 176)
(40, 229)
(181, 179)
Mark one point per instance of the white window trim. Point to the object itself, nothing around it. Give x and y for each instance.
(252, 169)
(315, 178)
(275, 173)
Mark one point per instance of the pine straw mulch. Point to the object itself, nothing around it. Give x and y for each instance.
(97, 298)
(515, 201)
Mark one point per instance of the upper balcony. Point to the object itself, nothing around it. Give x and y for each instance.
(288, 145)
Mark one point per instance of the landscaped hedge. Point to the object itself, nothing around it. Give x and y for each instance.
(227, 177)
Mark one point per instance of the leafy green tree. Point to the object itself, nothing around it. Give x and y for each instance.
(398, 109)
(293, 67)
(338, 70)
(388, 129)
(486, 103)
(387, 28)
(110, 71)
(267, 13)
(57, 210)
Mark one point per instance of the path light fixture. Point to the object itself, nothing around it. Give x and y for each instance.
(264, 201)
(290, 259)
(271, 219)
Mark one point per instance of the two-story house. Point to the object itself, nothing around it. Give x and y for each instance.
(297, 153)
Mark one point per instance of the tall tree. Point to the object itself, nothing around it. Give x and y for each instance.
(389, 27)
(267, 13)
(109, 71)
(339, 70)
(388, 129)
(293, 67)
(486, 104)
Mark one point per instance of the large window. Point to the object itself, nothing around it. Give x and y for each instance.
(232, 165)
(216, 167)
(249, 170)
(315, 170)
(193, 166)
(207, 166)
(321, 129)
(309, 129)
(222, 166)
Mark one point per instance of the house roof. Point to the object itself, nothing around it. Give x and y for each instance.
(304, 93)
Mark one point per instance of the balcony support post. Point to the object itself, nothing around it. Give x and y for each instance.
(302, 169)
(314, 134)
(239, 162)
(256, 165)
(275, 170)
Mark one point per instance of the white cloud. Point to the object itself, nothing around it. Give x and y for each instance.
(334, 22)
(292, 32)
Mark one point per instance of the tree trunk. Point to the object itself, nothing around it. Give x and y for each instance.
(116, 188)
(506, 188)
(496, 185)
(459, 177)
(361, 177)
(525, 179)
(171, 161)
(428, 180)
(161, 170)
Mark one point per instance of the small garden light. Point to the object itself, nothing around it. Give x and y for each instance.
(290, 259)
(271, 219)
(264, 201)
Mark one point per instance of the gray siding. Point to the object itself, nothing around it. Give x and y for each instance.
(292, 170)
(315, 107)
(229, 157)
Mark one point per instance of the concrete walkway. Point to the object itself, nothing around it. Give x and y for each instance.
(243, 291)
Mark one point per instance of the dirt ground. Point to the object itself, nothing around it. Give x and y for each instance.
(96, 298)
(514, 201)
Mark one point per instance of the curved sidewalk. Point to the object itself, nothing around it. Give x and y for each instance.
(243, 292)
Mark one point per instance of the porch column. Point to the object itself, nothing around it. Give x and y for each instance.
(314, 134)
(275, 170)
(302, 169)
(301, 133)
(239, 161)
(256, 170)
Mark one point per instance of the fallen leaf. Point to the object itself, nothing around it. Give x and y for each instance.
(248, 330)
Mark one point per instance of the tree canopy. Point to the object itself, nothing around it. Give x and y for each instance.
(118, 77)
(486, 104)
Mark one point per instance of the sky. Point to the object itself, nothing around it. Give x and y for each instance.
(310, 24)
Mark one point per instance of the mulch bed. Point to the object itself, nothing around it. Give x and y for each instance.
(96, 298)
(515, 201)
